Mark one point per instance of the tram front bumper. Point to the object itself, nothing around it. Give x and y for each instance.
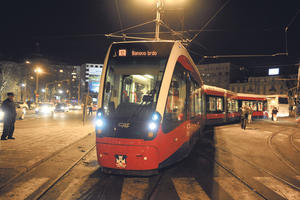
(127, 157)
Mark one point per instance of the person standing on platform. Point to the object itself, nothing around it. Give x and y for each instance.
(9, 108)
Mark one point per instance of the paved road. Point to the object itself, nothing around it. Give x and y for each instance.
(37, 137)
(262, 162)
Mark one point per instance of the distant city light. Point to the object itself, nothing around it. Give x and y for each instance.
(23, 84)
(27, 62)
(60, 91)
(31, 77)
(43, 90)
(61, 70)
(273, 71)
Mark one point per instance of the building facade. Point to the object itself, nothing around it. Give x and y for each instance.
(221, 74)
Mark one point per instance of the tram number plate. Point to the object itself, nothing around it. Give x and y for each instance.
(121, 161)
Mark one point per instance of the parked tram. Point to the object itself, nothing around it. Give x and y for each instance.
(149, 114)
(221, 105)
(258, 103)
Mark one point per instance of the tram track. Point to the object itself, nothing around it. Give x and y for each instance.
(40, 162)
(255, 166)
(291, 140)
(279, 155)
(43, 192)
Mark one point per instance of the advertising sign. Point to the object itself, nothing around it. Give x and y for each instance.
(94, 79)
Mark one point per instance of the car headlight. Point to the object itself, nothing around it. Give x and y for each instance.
(1, 115)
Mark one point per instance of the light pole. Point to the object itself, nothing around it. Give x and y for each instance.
(23, 92)
(37, 72)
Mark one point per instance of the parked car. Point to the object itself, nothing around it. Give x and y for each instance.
(23, 105)
(44, 108)
(61, 107)
(20, 113)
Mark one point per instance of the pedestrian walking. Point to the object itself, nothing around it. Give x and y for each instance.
(90, 109)
(9, 108)
(274, 113)
(244, 116)
(250, 115)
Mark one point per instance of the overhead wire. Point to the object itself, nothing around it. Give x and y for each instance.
(206, 24)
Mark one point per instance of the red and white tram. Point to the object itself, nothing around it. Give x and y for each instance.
(149, 112)
(258, 103)
(221, 105)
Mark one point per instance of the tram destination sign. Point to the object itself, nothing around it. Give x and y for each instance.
(141, 50)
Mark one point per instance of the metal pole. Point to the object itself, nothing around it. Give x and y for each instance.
(79, 92)
(158, 7)
(36, 87)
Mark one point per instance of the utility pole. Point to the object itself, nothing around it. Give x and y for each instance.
(79, 91)
(159, 5)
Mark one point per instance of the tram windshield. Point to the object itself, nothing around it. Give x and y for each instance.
(133, 78)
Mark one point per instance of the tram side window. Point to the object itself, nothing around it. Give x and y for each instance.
(175, 111)
(215, 104)
(260, 106)
(212, 104)
(194, 107)
(252, 105)
(232, 105)
(198, 101)
(219, 104)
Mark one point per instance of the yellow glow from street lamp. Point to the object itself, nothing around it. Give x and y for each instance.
(27, 62)
(38, 70)
(174, 1)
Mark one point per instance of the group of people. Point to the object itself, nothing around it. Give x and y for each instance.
(246, 115)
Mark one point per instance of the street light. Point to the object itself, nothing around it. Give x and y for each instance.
(60, 91)
(43, 90)
(27, 62)
(38, 71)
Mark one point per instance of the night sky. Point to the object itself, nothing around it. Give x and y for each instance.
(73, 30)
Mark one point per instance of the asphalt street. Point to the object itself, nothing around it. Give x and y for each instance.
(261, 162)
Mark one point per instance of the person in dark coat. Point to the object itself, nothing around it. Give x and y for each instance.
(244, 111)
(9, 108)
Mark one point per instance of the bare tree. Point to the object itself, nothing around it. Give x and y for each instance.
(8, 77)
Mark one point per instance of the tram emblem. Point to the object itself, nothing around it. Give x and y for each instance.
(121, 161)
(124, 125)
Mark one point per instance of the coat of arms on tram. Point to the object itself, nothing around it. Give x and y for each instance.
(121, 161)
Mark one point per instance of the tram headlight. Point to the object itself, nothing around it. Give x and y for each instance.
(153, 124)
(99, 121)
